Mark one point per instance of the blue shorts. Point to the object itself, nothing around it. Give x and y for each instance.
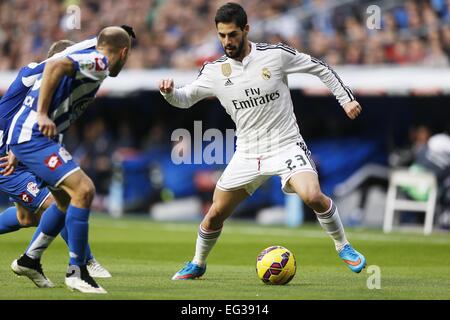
(24, 188)
(47, 159)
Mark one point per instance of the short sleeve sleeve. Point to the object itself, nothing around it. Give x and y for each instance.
(92, 65)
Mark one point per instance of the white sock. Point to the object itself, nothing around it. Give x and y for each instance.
(36, 249)
(206, 240)
(331, 223)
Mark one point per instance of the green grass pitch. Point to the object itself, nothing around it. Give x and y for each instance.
(143, 255)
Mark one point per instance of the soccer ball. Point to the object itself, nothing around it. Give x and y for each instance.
(276, 265)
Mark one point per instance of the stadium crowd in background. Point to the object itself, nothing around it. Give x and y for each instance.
(178, 33)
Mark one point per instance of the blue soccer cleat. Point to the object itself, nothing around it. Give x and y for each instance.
(189, 272)
(354, 260)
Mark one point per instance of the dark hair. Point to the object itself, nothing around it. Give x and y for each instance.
(129, 30)
(232, 12)
(59, 46)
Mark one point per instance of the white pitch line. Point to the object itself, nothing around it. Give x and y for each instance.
(413, 238)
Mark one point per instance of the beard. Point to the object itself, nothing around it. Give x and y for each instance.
(237, 51)
(116, 68)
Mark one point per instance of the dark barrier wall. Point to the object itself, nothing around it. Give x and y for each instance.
(386, 118)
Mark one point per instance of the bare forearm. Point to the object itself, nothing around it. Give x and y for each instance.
(54, 71)
(50, 80)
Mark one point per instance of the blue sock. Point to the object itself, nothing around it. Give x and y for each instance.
(52, 221)
(77, 223)
(65, 236)
(8, 221)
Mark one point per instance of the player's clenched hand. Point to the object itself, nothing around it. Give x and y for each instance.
(8, 163)
(353, 109)
(166, 85)
(46, 126)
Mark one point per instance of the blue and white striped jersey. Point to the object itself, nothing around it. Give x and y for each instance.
(13, 98)
(70, 99)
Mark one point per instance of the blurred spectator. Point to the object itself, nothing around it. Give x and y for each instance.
(333, 57)
(322, 19)
(375, 175)
(318, 44)
(125, 137)
(418, 137)
(446, 39)
(434, 157)
(353, 54)
(94, 156)
(416, 51)
(400, 53)
(157, 137)
(436, 56)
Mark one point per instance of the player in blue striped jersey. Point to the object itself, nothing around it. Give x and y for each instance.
(56, 100)
(27, 191)
(9, 105)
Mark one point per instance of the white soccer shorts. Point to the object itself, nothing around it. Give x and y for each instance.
(244, 172)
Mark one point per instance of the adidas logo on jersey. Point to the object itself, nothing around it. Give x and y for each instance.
(228, 83)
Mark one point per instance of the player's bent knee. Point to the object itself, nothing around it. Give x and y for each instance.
(62, 206)
(312, 197)
(216, 215)
(85, 192)
(26, 218)
(219, 208)
(26, 222)
(61, 198)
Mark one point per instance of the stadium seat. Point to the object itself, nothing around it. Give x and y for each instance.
(404, 178)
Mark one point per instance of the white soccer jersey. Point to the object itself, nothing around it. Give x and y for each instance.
(255, 93)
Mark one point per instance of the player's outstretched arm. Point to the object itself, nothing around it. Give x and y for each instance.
(296, 62)
(352, 109)
(54, 71)
(181, 98)
(166, 86)
(187, 96)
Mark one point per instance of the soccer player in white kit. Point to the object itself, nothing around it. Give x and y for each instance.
(250, 81)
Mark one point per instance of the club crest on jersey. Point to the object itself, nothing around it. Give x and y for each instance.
(226, 69)
(32, 188)
(87, 65)
(99, 64)
(53, 162)
(26, 197)
(266, 74)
